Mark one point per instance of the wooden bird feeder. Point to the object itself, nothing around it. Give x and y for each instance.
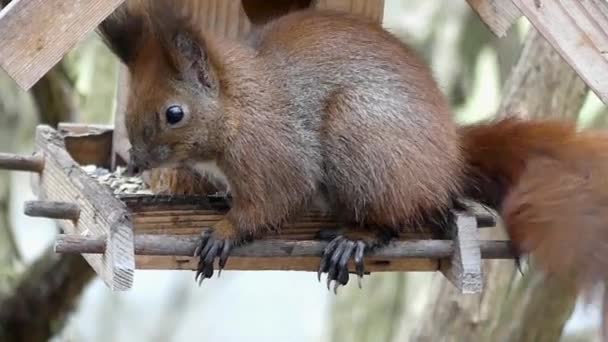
(117, 234)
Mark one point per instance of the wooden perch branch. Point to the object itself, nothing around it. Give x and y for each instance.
(153, 244)
(9, 161)
(53, 210)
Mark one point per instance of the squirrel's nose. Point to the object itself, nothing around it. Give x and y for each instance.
(133, 170)
(135, 166)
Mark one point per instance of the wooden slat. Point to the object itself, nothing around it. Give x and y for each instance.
(579, 31)
(36, 34)
(223, 18)
(283, 264)
(187, 215)
(371, 9)
(120, 139)
(183, 217)
(463, 269)
(498, 15)
(101, 214)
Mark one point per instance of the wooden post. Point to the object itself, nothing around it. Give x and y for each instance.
(101, 214)
(34, 163)
(153, 244)
(53, 210)
(463, 269)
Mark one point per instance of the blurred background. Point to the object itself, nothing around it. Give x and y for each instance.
(471, 66)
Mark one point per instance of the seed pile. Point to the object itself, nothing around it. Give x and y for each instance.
(118, 181)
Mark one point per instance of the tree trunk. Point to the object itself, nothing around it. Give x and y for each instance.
(534, 308)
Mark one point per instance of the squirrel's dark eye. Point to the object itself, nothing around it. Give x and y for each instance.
(174, 114)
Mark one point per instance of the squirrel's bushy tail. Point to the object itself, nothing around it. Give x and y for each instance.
(549, 183)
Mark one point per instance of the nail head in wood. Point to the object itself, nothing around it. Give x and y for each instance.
(15, 162)
(53, 210)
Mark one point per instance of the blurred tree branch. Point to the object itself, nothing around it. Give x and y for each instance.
(534, 308)
(55, 96)
(47, 292)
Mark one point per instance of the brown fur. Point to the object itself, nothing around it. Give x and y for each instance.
(278, 118)
(181, 181)
(549, 183)
(327, 104)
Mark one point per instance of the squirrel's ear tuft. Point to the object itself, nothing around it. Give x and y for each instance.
(175, 25)
(122, 31)
(190, 57)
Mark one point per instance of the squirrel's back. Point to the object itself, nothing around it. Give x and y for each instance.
(385, 131)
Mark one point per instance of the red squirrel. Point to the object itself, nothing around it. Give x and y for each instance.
(325, 105)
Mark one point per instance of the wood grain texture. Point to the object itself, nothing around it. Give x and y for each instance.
(222, 18)
(310, 264)
(187, 215)
(101, 214)
(498, 15)
(578, 30)
(371, 9)
(176, 245)
(463, 269)
(260, 12)
(36, 34)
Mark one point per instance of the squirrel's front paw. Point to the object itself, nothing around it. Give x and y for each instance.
(340, 250)
(215, 242)
(335, 258)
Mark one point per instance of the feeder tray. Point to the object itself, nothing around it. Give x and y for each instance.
(120, 232)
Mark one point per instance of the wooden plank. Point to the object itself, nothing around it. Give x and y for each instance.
(310, 264)
(36, 34)
(498, 15)
(223, 18)
(578, 30)
(463, 269)
(371, 9)
(260, 12)
(183, 217)
(120, 139)
(187, 215)
(101, 214)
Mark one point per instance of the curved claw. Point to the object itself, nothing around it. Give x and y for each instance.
(335, 261)
(224, 256)
(329, 250)
(359, 265)
(342, 277)
(208, 249)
